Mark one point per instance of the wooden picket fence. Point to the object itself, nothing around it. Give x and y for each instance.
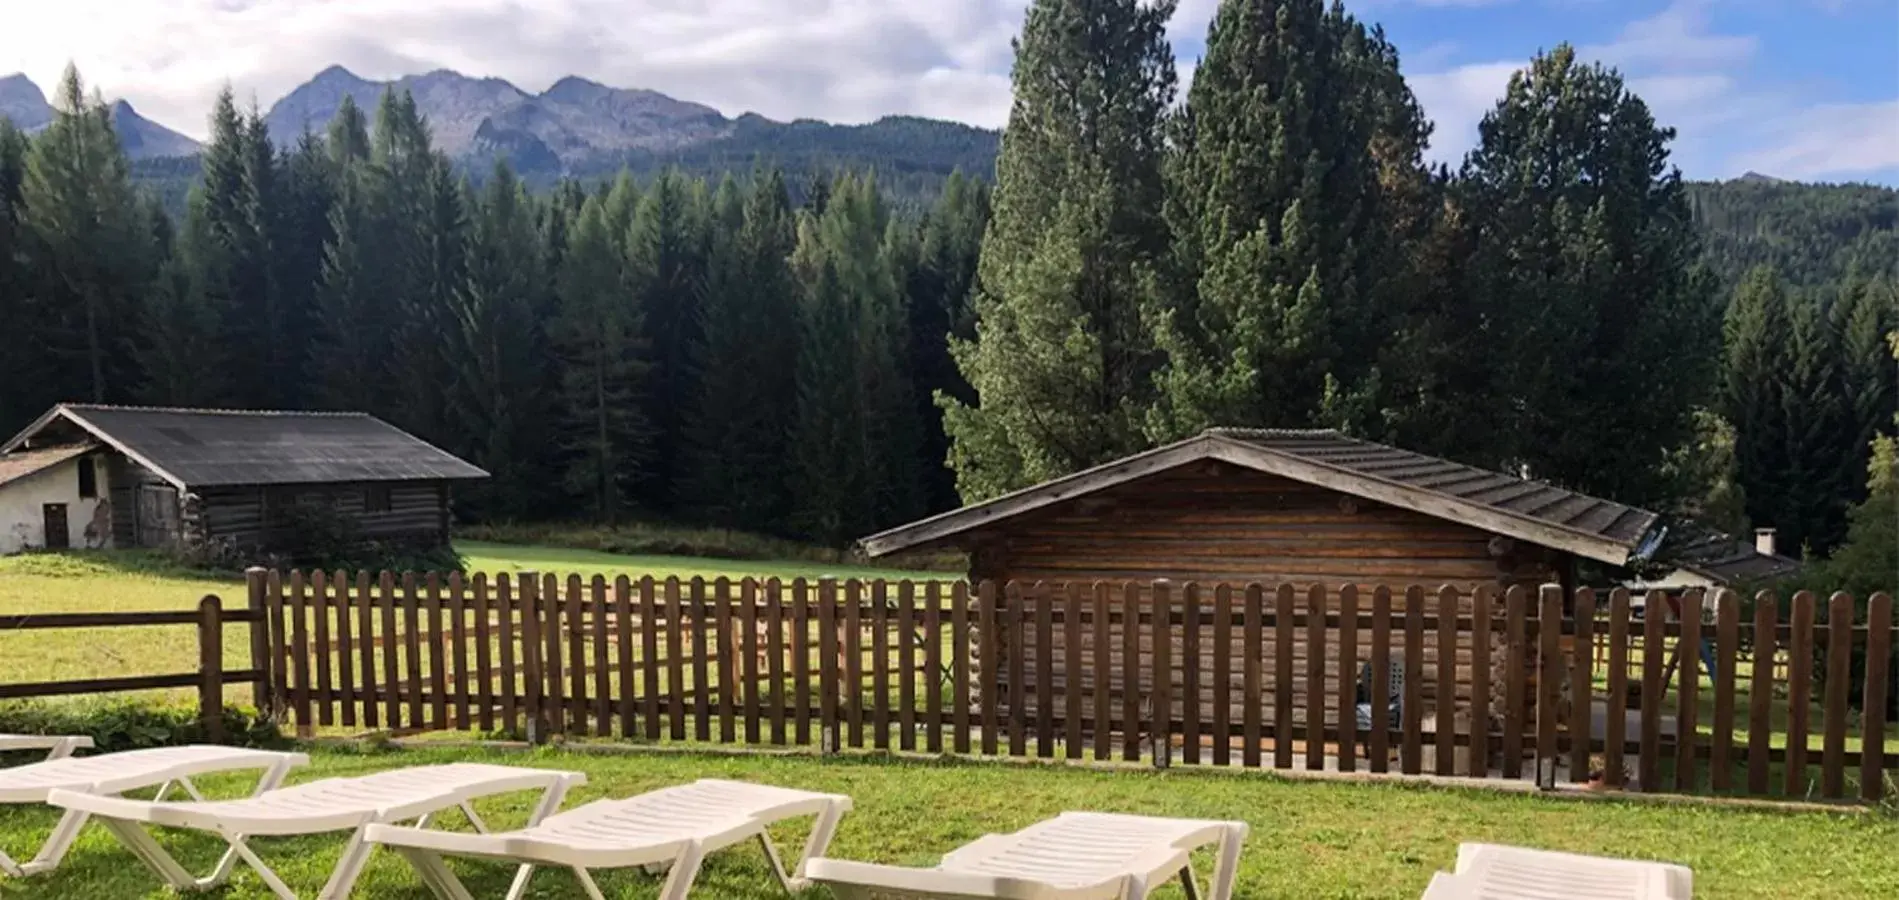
(1245, 675)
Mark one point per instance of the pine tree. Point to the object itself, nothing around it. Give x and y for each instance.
(665, 252)
(1587, 269)
(1061, 362)
(91, 247)
(1289, 197)
(498, 352)
(1817, 423)
(350, 358)
(596, 335)
(740, 427)
(299, 229)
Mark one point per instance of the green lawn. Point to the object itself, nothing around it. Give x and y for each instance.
(137, 582)
(1309, 839)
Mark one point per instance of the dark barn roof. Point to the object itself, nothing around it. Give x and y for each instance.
(1533, 511)
(214, 448)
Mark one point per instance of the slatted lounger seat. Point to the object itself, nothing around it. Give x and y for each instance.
(57, 746)
(674, 827)
(1492, 872)
(115, 773)
(1074, 856)
(333, 804)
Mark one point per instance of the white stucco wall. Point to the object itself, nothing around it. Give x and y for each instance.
(23, 517)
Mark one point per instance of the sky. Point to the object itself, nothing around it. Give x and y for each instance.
(1802, 89)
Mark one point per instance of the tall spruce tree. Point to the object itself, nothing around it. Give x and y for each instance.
(1818, 423)
(827, 480)
(1290, 190)
(597, 337)
(498, 351)
(1756, 347)
(92, 251)
(665, 252)
(1061, 362)
(1587, 266)
(305, 190)
(740, 426)
(1868, 310)
(16, 306)
(940, 285)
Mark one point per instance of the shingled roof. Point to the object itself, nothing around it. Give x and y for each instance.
(196, 448)
(15, 466)
(1526, 509)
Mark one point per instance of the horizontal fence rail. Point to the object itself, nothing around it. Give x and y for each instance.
(209, 679)
(1688, 692)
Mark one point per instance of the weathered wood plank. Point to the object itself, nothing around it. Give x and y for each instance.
(1872, 739)
(1615, 716)
(1839, 675)
(1760, 726)
(1799, 693)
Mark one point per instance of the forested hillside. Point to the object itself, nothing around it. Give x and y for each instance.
(856, 335)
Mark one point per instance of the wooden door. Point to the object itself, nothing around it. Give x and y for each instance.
(157, 515)
(58, 536)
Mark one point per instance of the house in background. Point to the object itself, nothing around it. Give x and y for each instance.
(115, 476)
(50, 498)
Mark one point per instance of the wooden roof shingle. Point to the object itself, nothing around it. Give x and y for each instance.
(1529, 510)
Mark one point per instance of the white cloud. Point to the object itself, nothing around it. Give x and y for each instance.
(1676, 38)
(843, 60)
(1836, 140)
(1456, 100)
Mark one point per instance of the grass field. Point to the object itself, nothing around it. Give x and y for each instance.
(138, 582)
(1308, 840)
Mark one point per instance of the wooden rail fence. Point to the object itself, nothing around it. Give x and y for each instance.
(210, 678)
(1226, 674)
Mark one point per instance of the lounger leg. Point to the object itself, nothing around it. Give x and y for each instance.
(1188, 884)
(550, 801)
(150, 853)
(474, 819)
(54, 850)
(1226, 866)
(441, 882)
(685, 869)
(349, 867)
(239, 849)
(269, 781)
(62, 749)
(587, 884)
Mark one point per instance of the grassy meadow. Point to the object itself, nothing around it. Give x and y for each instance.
(1308, 839)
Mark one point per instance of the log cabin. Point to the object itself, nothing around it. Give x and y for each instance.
(1304, 508)
(176, 478)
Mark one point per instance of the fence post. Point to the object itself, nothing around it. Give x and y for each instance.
(529, 592)
(256, 582)
(211, 668)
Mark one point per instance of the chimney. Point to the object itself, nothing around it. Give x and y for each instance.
(1764, 541)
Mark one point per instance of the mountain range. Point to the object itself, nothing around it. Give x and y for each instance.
(23, 102)
(574, 128)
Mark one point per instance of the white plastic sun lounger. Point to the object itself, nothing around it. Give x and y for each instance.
(333, 804)
(1493, 872)
(57, 746)
(673, 827)
(1074, 856)
(114, 773)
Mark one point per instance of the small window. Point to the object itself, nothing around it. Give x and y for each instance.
(376, 498)
(88, 480)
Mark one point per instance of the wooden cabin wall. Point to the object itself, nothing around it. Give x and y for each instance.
(1213, 523)
(124, 479)
(250, 516)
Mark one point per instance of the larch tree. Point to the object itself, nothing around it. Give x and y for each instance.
(1061, 363)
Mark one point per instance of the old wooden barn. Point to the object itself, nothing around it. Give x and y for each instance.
(1274, 507)
(151, 477)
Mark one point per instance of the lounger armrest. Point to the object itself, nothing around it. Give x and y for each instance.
(939, 883)
(110, 806)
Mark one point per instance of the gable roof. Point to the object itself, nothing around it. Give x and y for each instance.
(1532, 511)
(15, 466)
(1724, 559)
(194, 448)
